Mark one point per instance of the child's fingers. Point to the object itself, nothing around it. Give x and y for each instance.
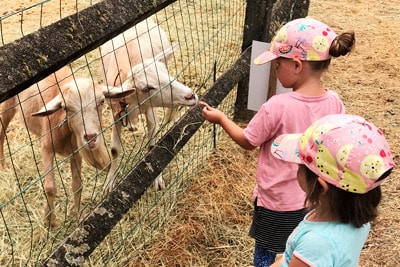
(204, 104)
(206, 111)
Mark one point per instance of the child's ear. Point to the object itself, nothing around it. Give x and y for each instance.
(324, 185)
(298, 65)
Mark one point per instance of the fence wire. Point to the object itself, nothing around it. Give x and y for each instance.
(209, 33)
(18, 19)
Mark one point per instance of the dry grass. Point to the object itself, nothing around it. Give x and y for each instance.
(210, 224)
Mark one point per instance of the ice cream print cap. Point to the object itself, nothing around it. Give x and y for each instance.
(345, 150)
(306, 39)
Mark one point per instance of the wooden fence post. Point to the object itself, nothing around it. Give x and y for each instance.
(263, 19)
(258, 13)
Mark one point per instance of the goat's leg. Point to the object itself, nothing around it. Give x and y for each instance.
(116, 148)
(7, 113)
(50, 188)
(152, 128)
(171, 114)
(76, 167)
(152, 125)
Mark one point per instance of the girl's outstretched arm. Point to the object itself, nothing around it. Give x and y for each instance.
(231, 128)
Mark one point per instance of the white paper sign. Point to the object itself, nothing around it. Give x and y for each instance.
(259, 78)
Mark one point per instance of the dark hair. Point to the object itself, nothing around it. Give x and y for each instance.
(346, 207)
(340, 46)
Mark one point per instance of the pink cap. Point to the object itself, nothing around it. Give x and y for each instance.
(344, 150)
(306, 39)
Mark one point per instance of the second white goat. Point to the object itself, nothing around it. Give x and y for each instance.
(136, 59)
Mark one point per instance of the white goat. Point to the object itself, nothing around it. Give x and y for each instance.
(70, 118)
(137, 59)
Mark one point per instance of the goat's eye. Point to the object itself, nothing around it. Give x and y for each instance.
(148, 89)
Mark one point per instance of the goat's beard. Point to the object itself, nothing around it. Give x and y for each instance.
(98, 157)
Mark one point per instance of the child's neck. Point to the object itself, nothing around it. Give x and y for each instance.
(310, 91)
(310, 86)
(318, 216)
(322, 213)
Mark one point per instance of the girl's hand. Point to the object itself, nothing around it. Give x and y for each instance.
(231, 128)
(212, 114)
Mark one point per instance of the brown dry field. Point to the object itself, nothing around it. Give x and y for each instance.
(210, 225)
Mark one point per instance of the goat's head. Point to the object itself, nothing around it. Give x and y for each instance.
(83, 102)
(152, 81)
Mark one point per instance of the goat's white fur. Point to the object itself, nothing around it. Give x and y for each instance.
(137, 59)
(70, 118)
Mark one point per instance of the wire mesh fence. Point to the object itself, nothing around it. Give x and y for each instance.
(209, 33)
(19, 18)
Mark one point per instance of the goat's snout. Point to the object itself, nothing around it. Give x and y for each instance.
(91, 139)
(191, 96)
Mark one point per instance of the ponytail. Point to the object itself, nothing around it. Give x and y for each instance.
(342, 44)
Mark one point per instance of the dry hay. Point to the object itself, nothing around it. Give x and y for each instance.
(210, 224)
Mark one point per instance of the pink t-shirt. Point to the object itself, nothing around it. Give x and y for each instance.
(277, 187)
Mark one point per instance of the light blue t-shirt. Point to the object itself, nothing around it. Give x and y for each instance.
(325, 244)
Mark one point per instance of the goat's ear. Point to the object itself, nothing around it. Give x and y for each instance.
(51, 107)
(165, 55)
(117, 92)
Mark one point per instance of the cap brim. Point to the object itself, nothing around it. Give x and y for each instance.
(265, 57)
(285, 147)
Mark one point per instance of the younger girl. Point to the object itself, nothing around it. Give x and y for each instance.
(344, 161)
(302, 50)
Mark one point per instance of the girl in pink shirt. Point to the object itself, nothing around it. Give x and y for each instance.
(302, 50)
